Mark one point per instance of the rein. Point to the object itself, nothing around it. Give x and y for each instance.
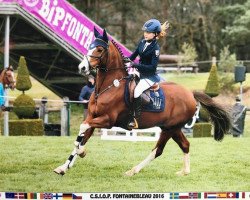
(116, 83)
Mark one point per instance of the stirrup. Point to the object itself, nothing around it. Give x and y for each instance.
(133, 124)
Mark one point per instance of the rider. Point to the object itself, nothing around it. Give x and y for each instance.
(149, 50)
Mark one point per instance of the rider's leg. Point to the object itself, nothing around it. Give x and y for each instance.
(143, 85)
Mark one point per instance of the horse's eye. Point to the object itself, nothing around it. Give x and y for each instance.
(99, 50)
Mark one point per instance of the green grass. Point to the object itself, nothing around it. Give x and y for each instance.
(189, 80)
(27, 165)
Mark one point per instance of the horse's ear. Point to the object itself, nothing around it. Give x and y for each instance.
(105, 36)
(96, 32)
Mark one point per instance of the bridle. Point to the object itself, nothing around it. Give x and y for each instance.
(103, 67)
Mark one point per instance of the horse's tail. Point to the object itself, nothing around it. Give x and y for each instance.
(218, 115)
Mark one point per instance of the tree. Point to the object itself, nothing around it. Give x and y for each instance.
(227, 60)
(213, 87)
(188, 55)
(23, 82)
(24, 105)
(207, 25)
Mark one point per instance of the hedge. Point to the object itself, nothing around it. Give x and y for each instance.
(202, 130)
(30, 127)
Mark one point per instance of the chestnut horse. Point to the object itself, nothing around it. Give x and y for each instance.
(107, 107)
(7, 78)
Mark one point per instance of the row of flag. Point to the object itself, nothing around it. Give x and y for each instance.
(21, 195)
(103, 196)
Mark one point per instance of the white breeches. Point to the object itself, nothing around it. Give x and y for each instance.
(143, 85)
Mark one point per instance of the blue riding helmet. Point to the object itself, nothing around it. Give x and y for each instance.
(152, 26)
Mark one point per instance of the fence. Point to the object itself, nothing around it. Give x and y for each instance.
(43, 111)
(115, 133)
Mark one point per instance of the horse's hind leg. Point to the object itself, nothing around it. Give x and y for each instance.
(157, 151)
(78, 150)
(183, 143)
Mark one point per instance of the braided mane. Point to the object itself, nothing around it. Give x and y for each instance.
(118, 48)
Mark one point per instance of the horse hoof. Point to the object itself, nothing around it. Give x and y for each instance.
(131, 172)
(59, 171)
(182, 173)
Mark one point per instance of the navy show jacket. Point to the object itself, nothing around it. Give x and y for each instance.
(149, 59)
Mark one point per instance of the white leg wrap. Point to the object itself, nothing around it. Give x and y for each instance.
(186, 166)
(186, 163)
(83, 128)
(68, 164)
(145, 162)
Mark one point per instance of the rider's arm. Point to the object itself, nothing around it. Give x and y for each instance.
(134, 54)
(148, 67)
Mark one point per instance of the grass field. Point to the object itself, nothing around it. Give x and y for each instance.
(27, 163)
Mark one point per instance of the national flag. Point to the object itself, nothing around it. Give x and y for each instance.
(46, 196)
(194, 195)
(20, 195)
(174, 195)
(247, 195)
(210, 195)
(32, 196)
(9, 195)
(67, 196)
(234, 195)
(57, 196)
(183, 195)
(76, 196)
(221, 195)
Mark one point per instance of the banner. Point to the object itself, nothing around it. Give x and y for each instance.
(65, 20)
(123, 196)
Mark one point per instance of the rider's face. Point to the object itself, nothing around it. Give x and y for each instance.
(148, 35)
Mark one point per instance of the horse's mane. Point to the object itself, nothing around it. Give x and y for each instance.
(118, 48)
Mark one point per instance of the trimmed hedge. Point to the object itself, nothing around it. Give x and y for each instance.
(202, 130)
(30, 127)
(23, 82)
(213, 88)
(204, 115)
(24, 106)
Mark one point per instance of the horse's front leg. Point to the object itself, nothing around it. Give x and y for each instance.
(83, 137)
(86, 130)
(84, 134)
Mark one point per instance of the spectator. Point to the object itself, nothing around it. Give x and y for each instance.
(86, 93)
(2, 94)
(238, 115)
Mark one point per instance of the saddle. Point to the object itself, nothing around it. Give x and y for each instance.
(153, 99)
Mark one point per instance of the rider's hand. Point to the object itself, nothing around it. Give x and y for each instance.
(126, 60)
(134, 65)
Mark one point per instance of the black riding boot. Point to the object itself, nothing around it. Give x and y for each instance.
(136, 113)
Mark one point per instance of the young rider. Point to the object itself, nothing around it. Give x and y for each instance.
(149, 50)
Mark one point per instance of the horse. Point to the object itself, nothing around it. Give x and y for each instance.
(7, 80)
(107, 107)
(7, 77)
